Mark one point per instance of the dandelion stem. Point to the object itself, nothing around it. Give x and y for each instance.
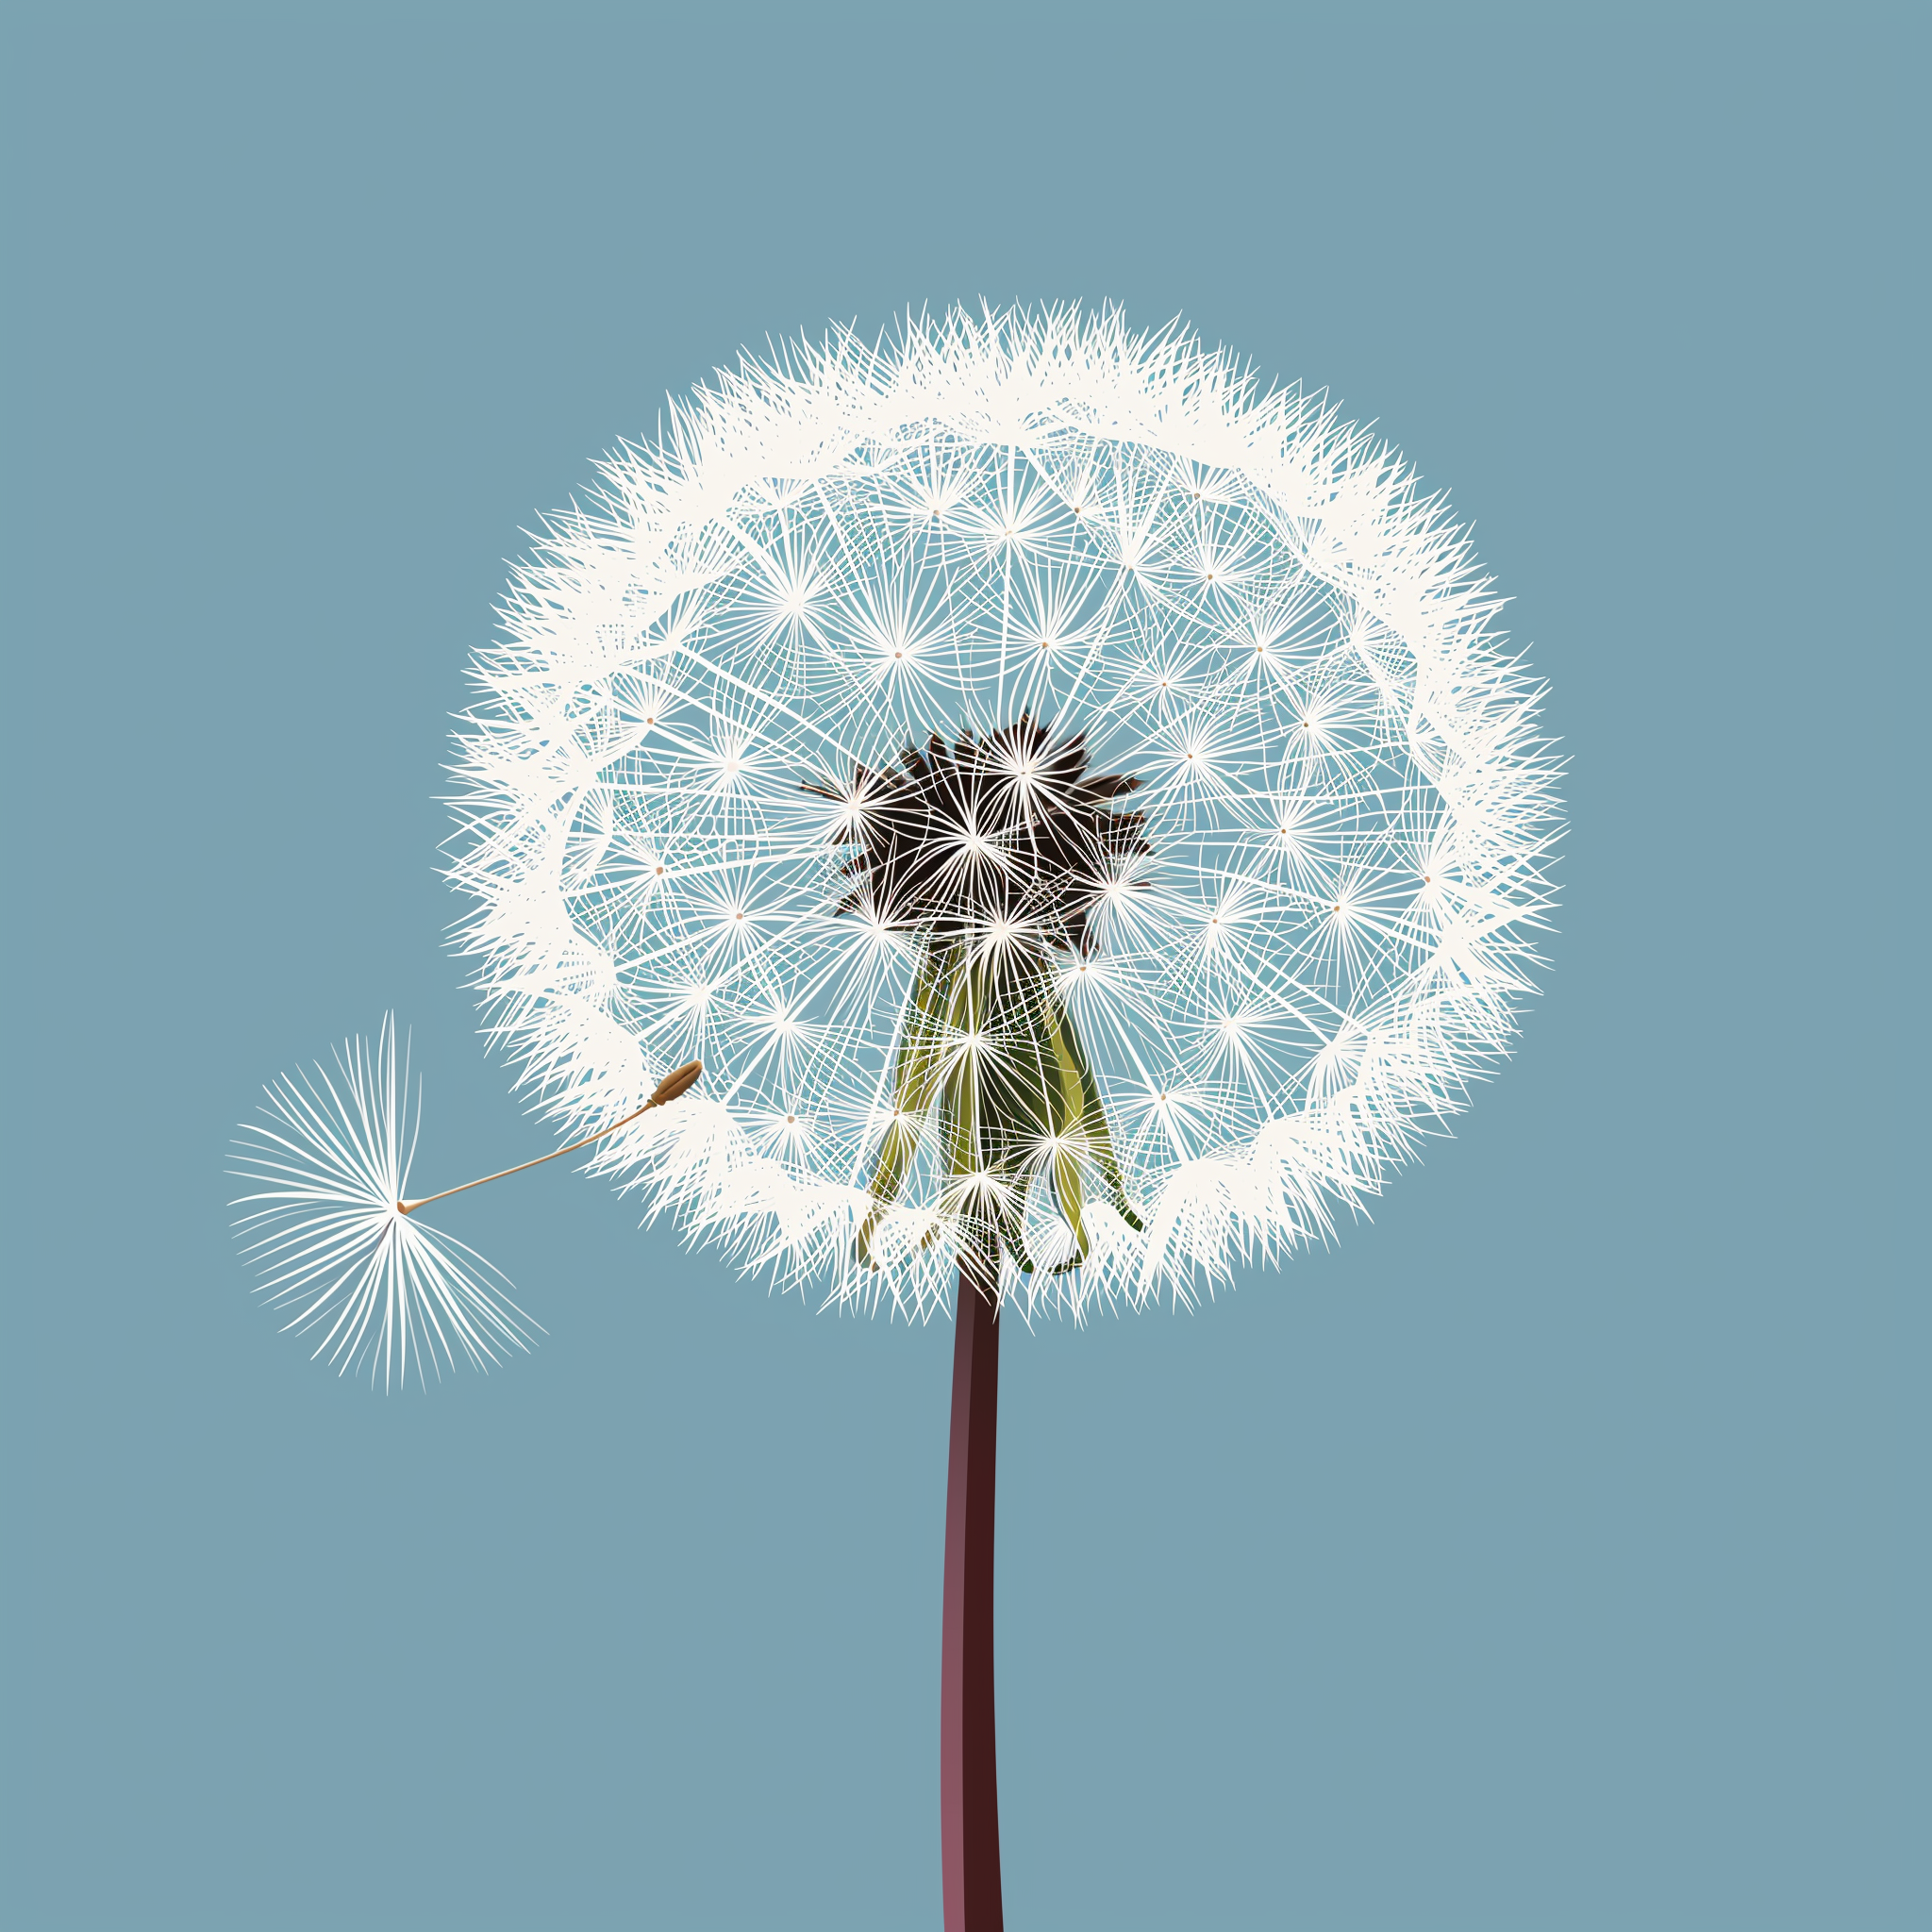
(969, 1778)
(667, 1089)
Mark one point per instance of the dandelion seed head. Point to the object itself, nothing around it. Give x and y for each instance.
(1023, 551)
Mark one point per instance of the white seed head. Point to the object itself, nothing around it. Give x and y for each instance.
(1239, 598)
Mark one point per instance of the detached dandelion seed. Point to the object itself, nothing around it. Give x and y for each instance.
(340, 1246)
(376, 1289)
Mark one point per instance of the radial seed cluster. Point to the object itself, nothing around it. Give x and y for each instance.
(827, 678)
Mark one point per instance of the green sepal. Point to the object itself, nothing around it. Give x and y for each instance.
(915, 1077)
(1095, 1116)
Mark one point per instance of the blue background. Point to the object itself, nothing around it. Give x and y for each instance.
(1550, 1553)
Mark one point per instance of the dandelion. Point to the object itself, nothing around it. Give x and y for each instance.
(1077, 805)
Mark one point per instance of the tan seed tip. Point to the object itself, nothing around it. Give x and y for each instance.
(672, 1085)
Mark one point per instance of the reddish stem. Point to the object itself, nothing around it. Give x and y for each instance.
(969, 1783)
